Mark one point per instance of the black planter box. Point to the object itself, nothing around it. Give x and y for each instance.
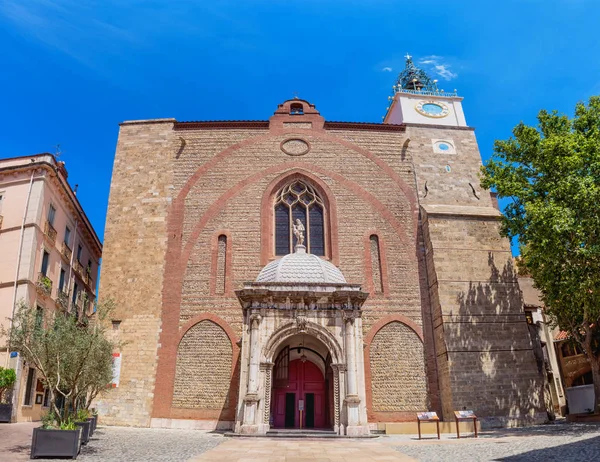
(85, 431)
(55, 443)
(92, 426)
(95, 417)
(5, 412)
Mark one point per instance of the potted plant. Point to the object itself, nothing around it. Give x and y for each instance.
(74, 361)
(82, 420)
(94, 412)
(7, 380)
(55, 439)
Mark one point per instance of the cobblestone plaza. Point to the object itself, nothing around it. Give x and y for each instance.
(560, 441)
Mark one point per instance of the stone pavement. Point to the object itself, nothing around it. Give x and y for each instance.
(564, 442)
(299, 450)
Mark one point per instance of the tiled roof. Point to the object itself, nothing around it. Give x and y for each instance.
(562, 335)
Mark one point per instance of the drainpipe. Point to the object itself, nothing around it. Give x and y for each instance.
(19, 263)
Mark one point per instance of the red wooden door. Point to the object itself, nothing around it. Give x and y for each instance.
(303, 378)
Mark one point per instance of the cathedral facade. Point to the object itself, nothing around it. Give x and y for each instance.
(296, 272)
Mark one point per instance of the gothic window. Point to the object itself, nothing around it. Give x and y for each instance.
(299, 201)
(221, 264)
(376, 264)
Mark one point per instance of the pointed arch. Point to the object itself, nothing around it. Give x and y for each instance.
(268, 219)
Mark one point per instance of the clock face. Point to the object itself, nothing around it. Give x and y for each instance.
(432, 109)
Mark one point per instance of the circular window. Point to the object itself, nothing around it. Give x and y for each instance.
(448, 169)
(295, 147)
(443, 147)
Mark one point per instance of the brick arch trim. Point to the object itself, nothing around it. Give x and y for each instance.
(404, 187)
(267, 220)
(214, 318)
(393, 318)
(216, 206)
(165, 382)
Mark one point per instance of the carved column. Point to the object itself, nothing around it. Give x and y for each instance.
(254, 354)
(250, 423)
(355, 425)
(351, 389)
(338, 369)
(267, 368)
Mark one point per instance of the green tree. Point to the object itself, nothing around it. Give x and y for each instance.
(551, 173)
(7, 380)
(73, 357)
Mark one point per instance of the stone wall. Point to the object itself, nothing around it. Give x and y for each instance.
(178, 187)
(203, 371)
(398, 370)
(132, 267)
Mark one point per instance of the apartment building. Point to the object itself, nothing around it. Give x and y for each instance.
(49, 258)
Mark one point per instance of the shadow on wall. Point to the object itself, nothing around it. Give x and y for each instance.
(494, 367)
(227, 417)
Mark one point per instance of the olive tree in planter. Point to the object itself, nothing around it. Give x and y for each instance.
(7, 380)
(73, 357)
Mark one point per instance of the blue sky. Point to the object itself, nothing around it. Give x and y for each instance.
(73, 69)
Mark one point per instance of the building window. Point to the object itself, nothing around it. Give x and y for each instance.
(45, 262)
(46, 402)
(61, 280)
(376, 264)
(75, 293)
(39, 317)
(79, 249)
(221, 264)
(67, 236)
(29, 387)
(299, 201)
(51, 214)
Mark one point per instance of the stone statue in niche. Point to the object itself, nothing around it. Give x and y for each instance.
(299, 232)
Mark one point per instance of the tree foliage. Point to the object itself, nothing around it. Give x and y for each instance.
(73, 358)
(7, 380)
(551, 173)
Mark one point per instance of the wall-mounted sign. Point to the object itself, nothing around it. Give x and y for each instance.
(116, 369)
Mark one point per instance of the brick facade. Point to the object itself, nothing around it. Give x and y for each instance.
(177, 187)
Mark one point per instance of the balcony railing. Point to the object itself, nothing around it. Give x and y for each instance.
(87, 277)
(62, 299)
(78, 267)
(50, 232)
(66, 251)
(44, 285)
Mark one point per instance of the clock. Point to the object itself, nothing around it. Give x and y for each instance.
(433, 109)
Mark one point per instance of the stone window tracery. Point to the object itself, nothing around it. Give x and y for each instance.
(298, 200)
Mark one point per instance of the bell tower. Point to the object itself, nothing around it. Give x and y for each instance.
(474, 299)
(417, 99)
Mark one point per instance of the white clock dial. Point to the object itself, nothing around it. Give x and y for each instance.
(435, 109)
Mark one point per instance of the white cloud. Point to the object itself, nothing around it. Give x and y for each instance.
(438, 66)
(387, 69)
(444, 72)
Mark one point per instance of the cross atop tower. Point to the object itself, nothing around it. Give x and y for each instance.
(407, 56)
